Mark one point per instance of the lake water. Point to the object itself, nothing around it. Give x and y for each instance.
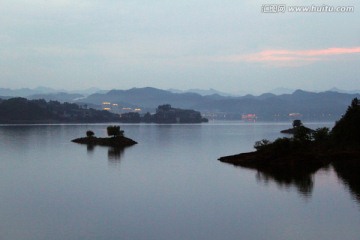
(169, 186)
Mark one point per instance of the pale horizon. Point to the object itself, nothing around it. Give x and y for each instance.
(283, 90)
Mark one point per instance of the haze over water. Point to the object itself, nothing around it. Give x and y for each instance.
(169, 186)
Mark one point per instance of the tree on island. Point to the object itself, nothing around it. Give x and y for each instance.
(90, 134)
(297, 123)
(299, 130)
(115, 131)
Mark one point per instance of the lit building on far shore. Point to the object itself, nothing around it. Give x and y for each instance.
(106, 106)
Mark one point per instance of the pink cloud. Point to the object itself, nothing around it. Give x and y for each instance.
(291, 57)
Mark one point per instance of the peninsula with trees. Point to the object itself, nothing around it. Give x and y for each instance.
(24, 111)
(116, 138)
(307, 150)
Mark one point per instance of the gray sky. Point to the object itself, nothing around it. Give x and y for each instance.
(229, 45)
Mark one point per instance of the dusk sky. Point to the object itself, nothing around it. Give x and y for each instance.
(229, 45)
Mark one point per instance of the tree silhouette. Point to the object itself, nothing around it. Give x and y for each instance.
(321, 134)
(90, 133)
(114, 131)
(297, 123)
(302, 134)
(347, 129)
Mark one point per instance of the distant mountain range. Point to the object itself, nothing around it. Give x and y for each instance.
(344, 91)
(309, 105)
(59, 96)
(48, 93)
(205, 92)
(329, 105)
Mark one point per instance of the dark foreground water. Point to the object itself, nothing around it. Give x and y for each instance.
(169, 186)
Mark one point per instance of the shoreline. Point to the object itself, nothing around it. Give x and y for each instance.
(260, 159)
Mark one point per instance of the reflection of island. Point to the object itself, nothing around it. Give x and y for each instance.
(114, 154)
(303, 182)
(90, 148)
(287, 171)
(294, 160)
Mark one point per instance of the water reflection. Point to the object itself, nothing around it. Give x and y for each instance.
(115, 154)
(90, 148)
(348, 172)
(300, 176)
(21, 137)
(304, 184)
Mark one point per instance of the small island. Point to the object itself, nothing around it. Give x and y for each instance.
(116, 139)
(307, 151)
(296, 124)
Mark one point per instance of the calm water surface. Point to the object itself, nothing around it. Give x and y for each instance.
(169, 186)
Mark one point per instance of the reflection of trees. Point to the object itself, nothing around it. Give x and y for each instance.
(302, 180)
(298, 174)
(114, 154)
(349, 173)
(90, 148)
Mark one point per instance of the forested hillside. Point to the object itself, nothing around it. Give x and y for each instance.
(21, 110)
